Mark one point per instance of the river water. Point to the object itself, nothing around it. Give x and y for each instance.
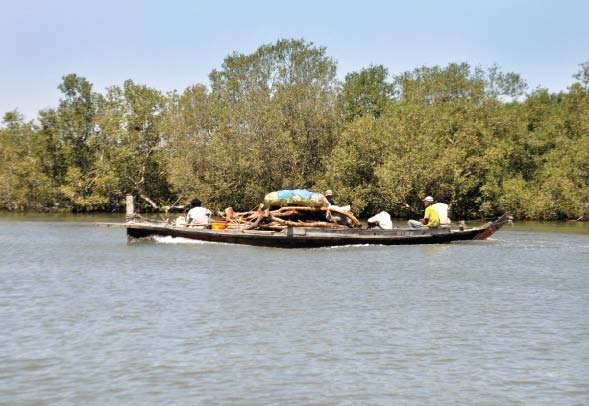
(88, 319)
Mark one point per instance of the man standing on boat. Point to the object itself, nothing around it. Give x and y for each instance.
(197, 215)
(431, 218)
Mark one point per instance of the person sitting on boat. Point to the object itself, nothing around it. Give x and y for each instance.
(381, 220)
(431, 218)
(198, 215)
(329, 197)
(442, 209)
(334, 216)
(331, 203)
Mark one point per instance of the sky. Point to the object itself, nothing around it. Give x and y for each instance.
(173, 44)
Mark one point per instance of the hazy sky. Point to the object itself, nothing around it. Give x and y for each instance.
(174, 44)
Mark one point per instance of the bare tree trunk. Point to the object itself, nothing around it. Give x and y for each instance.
(148, 200)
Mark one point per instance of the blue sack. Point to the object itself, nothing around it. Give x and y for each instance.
(285, 194)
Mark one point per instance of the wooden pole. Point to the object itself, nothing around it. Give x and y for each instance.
(130, 208)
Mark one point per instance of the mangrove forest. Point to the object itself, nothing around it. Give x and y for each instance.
(279, 118)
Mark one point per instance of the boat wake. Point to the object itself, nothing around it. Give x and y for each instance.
(339, 247)
(177, 240)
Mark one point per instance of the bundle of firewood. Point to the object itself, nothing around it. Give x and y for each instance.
(293, 216)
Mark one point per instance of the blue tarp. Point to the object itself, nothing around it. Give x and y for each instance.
(285, 194)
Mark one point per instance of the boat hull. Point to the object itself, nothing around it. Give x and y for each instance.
(295, 237)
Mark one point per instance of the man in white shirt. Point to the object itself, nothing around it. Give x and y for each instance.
(198, 215)
(442, 209)
(381, 220)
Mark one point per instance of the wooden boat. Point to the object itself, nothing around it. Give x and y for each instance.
(310, 237)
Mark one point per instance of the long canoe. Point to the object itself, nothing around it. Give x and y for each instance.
(301, 237)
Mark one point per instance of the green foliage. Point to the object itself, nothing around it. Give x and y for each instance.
(353, 163)
(278, 119)
(365, 92)
(22, 185)
(129, 144)
(268, 123)
(433, 139)
(76, 120)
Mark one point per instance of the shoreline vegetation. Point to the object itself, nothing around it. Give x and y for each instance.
(280, 119)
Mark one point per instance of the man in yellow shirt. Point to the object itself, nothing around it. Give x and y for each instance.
(430, 219)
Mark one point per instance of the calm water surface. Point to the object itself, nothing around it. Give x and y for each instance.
(87, 319)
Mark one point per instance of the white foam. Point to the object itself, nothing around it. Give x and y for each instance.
(336, 247)
(177, 240)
